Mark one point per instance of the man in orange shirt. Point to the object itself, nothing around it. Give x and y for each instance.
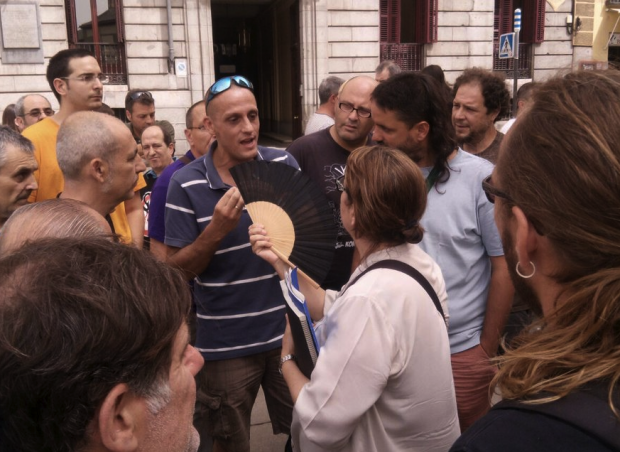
(75, 78)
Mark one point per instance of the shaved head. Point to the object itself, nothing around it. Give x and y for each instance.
(84, 136)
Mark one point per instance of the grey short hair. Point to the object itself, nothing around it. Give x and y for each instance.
(390, 65)
(19, 105)
(329, 87)
(55, 218)
(82, 137)
(10, 136)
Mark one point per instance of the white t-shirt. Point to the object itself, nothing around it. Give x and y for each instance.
(383, 380)
(318, 121)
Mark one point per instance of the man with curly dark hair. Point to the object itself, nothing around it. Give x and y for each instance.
(480, 99)
(411, 112)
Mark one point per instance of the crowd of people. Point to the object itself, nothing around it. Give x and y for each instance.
(157, 313)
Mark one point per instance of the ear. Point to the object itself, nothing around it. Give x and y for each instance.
(420, 131)
(128, 115)
(209, 125)
(61, 86)
(99, 169)
(171, 149)
(120, 420)
(526, 240)
(492, 115)
(19, 122)
(333, 98)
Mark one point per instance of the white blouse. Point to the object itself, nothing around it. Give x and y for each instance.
(383, 380)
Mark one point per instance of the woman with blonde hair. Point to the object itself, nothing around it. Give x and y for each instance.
(383, 380)
(556, 190)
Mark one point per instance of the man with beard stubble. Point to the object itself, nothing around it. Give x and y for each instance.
(411, 113)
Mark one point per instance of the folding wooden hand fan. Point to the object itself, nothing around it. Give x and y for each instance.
(294, 211)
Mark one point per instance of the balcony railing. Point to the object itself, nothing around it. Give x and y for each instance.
(524, 67)
(111, 58)
(408, 56)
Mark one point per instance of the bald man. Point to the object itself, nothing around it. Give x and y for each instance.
(323, 156)
(99, 161)
(51, 218)
(239, 303)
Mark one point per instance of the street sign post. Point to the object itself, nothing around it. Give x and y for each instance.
(515, 62)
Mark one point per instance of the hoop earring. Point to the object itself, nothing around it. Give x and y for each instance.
(526, 276)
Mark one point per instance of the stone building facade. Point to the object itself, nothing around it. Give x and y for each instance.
(177, 48)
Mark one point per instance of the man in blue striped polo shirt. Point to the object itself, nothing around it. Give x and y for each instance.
(239, 304)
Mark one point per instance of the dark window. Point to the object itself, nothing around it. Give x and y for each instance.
(405, 26)
(100, 30)
(532, 32)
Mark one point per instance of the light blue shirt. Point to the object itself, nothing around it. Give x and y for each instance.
(461, 235)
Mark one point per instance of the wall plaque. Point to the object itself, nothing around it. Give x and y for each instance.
(20, 28)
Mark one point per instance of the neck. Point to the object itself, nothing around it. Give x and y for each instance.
(196, 154)
(365, 247)
(483, 143)
(348, 145)
(223, 163)
(89, 196)
(64, 112)
(326, 109)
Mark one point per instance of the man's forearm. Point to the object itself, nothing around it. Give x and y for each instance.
(135, 219)
(196, 257)
(499, 303)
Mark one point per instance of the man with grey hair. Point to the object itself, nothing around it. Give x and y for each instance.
(324, 115)
(17, 167)
(91, 358)
(99, 161)
(51, 218)
(30, 109)
(385, 70)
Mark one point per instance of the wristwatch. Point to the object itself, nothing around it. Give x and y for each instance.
(285, 359)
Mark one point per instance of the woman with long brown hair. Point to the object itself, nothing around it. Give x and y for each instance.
(556, 190)
(383, 380)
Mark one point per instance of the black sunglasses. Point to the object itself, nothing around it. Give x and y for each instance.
(492, 192)
(225, 83)
(140, 95)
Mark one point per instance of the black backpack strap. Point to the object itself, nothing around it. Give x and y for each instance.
(586, 409)
(393, 264)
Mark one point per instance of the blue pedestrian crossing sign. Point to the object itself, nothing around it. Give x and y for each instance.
(506, 45)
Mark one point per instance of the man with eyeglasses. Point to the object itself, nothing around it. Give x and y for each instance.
(239, 303)
(199, 140)
(411, 113)
(323, 156)
(30, 109)
(76, 79)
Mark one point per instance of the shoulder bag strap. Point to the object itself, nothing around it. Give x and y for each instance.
(393, 264)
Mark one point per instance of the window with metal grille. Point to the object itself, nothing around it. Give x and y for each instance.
(99, 29)
(532, 32)
(405, 26)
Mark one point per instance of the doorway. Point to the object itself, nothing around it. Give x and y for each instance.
(260, 39)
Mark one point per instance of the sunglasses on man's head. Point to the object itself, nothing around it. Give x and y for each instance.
(225, 83)
(140, 95)
(492, 192)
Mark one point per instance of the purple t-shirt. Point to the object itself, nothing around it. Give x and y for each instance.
(157, 208)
